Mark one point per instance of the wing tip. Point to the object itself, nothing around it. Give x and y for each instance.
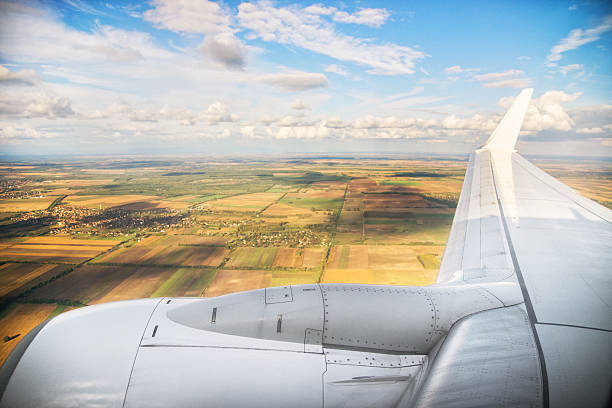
(506, 133)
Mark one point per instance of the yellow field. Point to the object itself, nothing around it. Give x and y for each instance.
(20, 320)
(294, 215)
(107, 201)
(142, 283)
(380, 277)
(76, 182)
(55, 249)
(26, 204)
(598, 190)
(381, 264)
(230, 281)
(41, 173)
(244, 202)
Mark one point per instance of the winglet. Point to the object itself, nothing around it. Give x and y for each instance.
(505, 135)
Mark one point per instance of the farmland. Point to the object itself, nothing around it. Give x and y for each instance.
(86, 232)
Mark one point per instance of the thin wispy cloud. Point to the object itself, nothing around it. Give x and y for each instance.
(296, 27)
(577, 38)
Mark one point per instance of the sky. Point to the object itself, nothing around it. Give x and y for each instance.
(218, 78)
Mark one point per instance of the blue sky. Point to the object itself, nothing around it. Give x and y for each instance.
(242, 77)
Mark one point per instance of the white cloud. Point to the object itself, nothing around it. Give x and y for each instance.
(320, 9)
(247, 131)
(509, 83)
(295, 80)
(303, 132)
(572, 67)
(577, 38)
(298, 104)
(333, 68)
(590, 131)
(217, 113)
(504, 79)
(143, 115)
(51, 41)
(293, 26)
(547, 111)
(20, 133)
(189, 16)
(34, 104)
(373, 17)
(22, 77)
(457, 69)
(224, 48)
(499, 75)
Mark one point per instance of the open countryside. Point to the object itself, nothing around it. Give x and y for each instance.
(78, 233)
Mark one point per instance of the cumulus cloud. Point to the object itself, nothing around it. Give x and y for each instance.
(201, 17)
(295, 80)
(217, 112)
(296, 27)
(224, 48)
(593, 117)
(298, 104)
(22, 77)
(20, 133)
(590, 131)
(373, 17)
(546, 112)
(143, 115)
(320, 9)
(189, 16)
(577, 38)
(303, 132)
(36, 104)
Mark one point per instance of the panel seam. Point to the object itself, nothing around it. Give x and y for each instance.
(528, 304)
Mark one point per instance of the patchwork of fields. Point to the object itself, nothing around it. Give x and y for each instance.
(83, 233)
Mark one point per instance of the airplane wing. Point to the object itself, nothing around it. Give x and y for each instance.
(521, 315)
(515, 223)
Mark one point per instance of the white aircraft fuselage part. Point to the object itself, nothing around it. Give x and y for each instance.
(521, 315)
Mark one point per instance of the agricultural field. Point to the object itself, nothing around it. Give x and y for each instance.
(383, 264)
(87, 232)
(237, 280)
(56, 249)
(17, 278)
(18, 320)
(185, 250)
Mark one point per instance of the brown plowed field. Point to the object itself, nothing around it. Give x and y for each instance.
(16, 278)
(55, 249)
(20, 319)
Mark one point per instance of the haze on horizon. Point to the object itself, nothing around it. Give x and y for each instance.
(236, 77)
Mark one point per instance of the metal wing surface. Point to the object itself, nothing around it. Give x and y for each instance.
(515, 223)
(521, 316)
